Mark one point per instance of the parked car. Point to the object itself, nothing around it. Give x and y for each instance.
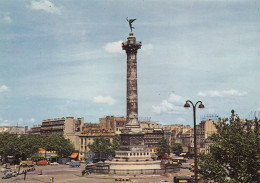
(8, 175)
(89, 161)
(7, 165)
(75, 164)
(185, 165)
(54, 163)
(122, 180)
(42, 162)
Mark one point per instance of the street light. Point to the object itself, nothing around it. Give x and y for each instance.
(201, 106)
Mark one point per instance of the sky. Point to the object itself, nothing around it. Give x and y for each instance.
(64, 58)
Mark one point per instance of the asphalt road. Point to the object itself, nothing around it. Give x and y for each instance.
(65, 174)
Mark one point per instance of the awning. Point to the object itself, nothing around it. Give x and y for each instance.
(74, 155)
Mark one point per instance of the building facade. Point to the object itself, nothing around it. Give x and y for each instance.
(14, 129)
(152, 139)
(68, 127)
(35, 129)
(204, 130)
(87, 137)
(113, 123)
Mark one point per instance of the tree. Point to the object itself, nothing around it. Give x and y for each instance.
(177, 149)
(235, 153)
(163, 146)
(116, 143)
(20, 146)
(101, 145)
(8, 145)
(28, 145)
(59, 144)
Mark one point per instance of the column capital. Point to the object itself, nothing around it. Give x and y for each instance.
(131, 45)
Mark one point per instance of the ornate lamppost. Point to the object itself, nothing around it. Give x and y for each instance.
(201, 106)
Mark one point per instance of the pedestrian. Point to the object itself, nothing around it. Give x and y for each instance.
(25, 172)
(83, 173)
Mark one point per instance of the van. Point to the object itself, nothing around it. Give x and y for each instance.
(75, 164)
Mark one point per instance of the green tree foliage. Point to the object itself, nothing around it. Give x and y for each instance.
(20, 146)
(28, 145)
(116, 143)
(23, 146)
(235, 153)
(163, 146)
(8, 145)
(177, 149)
(101, 145)
(58, 143)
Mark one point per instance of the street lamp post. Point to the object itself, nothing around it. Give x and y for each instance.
(201, 106)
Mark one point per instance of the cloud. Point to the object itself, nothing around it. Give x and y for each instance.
(46, 6)
(147, 47)
(32, 120)
(4, 88)
(114, 47)
(5, 123)
(170, 106)
(108, 100)
(224, 93)
(5, 17)
(175, 98)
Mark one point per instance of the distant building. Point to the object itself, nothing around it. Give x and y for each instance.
(35, 129)
(68, 127)
(152, 138)
(150, 125)
(14, 129)
(113, 123)
(91, 125)
(177, 127)
(204, 130)
(173, 133)
(88, 135)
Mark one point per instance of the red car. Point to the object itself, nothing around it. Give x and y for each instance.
(42, 162)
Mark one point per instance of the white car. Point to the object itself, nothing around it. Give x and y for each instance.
(165, 181)
(54, 163)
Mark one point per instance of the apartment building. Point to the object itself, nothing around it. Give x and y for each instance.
(113, 123)
(68, 127)
(88, 135)
(35, 129)
(152, 138)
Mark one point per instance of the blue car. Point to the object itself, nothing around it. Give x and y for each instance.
(75, 164)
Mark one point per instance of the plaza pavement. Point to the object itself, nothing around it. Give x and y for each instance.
(65, 174)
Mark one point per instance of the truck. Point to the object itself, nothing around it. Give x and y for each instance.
(75, 164)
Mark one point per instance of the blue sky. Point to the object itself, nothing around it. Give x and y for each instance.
(63, 58)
